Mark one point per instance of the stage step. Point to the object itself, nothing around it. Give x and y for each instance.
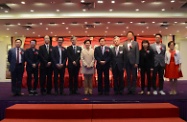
(144, 112)
(50, 111)
(98, 120)
(147, 110)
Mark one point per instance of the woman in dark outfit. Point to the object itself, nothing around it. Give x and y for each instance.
(146, 64)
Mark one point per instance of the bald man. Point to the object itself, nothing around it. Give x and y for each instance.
(45, 66)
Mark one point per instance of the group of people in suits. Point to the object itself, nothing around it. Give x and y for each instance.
(150, 61)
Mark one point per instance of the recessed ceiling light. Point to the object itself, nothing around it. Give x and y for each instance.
(27, 29)
(106, 31)
(33, 32)
(38, 35)
(22, 2)
(99, 1)
(7, 29)
(83, 9)
(6, 11)
(113, 1)
(85, 22)
(121, 34)
(127, 27)
(160, 31)
(86, 31)
(110, 10)
(143, 1)
(175, 22)
(137, 9)
(107, 27)
(131, 22)
(142, 31)
(47, 28)
(153, 22)
(63, 23)
(138, 34)
(16, 32)
(69, 31)
(172, 1)
(51, 32)
(147, 27)
(41, 23)
(108, 22)
(67, 28)
(57, 10)
(163, 9)
(166, 28)
(19, 23)
(82, 1)
(31, 10)
(178, 31)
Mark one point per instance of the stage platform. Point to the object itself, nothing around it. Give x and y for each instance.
(180, 100)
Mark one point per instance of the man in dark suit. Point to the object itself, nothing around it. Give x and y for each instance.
(45, 66)
(16, 60)
(59, 58)
(103, 56)
(32, 59)
(159, 63)
(131, 60)
(73, 53)
(117, 65)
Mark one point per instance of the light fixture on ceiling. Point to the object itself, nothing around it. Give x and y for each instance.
(22, 2)
(6, 11)
(110, 10)
(153, 22)
(41, 23)
(113, 1)
(143, 1)
(31, 10)
(163, 9)
(137, 9)
(47, 28)
(63, 23)
(57, 10)
(100, 1)
(7, 29)
(172, 1)
(108, 22)
(83, 9)
(16, 32)
(131, 22)
(33, 32)
(175, 22)
(67, 28)
(82, 1)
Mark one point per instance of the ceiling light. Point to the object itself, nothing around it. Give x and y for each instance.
(16, 32)
(175, 22)
(127, 27)
(131, 22)
(41, 23)
(163, 9)
(107, 27)
(47, 28)
(84, 9)
(108, 22)
(31, 10)
(160, 31)
(142, 31)
(57, 10)
(82, 1)
(6, 11)
(137, 9)
(99, 1)
(178, 31)
(110, 10)
(38, 35)
(172, 1)
(63, 23)
(138, 34)
(85, 22)
(121, 34)
(67, 28)
(33, 32)
(147, 27)
(69, 31)
(112, 1)
(86, 32)
(19, 23)
(143, 1)
(7, 29)
(51, 32)
(22, 2)
(153, 22)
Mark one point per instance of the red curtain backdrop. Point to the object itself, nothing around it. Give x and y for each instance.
(80, 40)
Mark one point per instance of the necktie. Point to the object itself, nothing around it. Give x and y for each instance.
(47, 48)
(102, 49)
(17, 59)
(74, 49)
(117, 50)
(60, 53)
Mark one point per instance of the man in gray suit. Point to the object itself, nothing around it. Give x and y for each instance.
(159, 63)
(131, 60)
(117, 64)
(16, 60)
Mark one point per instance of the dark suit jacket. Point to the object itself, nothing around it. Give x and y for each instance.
(119, 59)
(100, 57)
(12, 58)
(31, 57)
(45, 57)
(159, 58)
(72, 56)
(132, 55)
(56, 56)
(146, 59)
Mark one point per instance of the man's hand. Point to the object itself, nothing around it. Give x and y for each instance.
(102, 62)
(135, 65)
(48, 64)
(74, 63)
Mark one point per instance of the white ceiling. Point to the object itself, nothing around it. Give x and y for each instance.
(38, 14)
